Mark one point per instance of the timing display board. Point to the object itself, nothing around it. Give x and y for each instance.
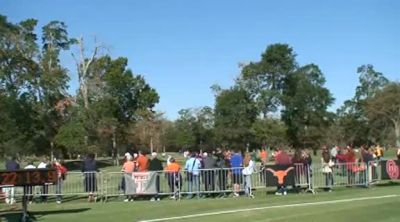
(28, 177)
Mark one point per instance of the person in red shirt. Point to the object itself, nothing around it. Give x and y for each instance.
(282, 158)
(350, 160)
(61, 174)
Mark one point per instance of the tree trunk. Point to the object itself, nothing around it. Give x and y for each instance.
(115, 152)
(397, 133)
(151, 144)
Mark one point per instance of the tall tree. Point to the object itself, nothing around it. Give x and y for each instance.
(385, 106)
(358, 129)
(269, 132)
(235, 113)
(264, 80)
(305, 106)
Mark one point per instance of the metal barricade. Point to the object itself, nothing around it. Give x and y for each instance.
(167, 183)
(340, 175)
(374, 172)
(75, 184)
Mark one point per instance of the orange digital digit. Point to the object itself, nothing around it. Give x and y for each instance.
(36, 177)
(9, 178)
(28, 178)
(52, 176)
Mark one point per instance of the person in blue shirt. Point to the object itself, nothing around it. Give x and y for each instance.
(236, 164)
(192, 168)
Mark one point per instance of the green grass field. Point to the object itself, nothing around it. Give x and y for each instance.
(375, 205)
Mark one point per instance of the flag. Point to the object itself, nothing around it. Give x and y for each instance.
(279, 175)
(390, 169)
(140, 183)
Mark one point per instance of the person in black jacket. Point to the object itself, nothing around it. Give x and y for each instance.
(156, 165)
(89, 169)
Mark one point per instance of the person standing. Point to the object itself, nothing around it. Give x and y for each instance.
(128, 168)
(172, 172)
(248, 170)
(334, 152)
(327, 165)
(155, 166)
(61, 174)
(142, 162)
(223, 165)
(11, 165)
(379, 152)
(236, 164)
(209, 173)
(45, 188)
(282, 158)
(29, 189)
(192, 168)
(89, 169)
(263, 156)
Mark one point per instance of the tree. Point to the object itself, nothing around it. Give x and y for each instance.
(305, 101)
(358, 130)
(17, 58)
(52, 79)
(116, 101)
(82, 65)
(147, 131)
(385, 106)
(269, 132)
(264, 80)
(235, 113)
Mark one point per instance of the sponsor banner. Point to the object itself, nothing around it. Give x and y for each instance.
(140, 183)
(390, 169)
(279, 175)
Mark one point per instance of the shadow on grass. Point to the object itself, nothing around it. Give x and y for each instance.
(388, 184)
(33, 216)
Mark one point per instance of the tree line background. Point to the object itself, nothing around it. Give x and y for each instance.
(274, 102)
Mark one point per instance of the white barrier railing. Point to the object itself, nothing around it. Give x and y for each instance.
(339, 175)
(218, 181)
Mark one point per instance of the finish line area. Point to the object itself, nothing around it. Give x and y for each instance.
(210, 216)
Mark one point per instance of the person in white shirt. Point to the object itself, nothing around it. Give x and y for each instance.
(248, 169)
(29, 189)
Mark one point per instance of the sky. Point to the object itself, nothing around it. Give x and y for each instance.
(184, 47)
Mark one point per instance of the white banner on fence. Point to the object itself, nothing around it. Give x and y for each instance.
(140, 183)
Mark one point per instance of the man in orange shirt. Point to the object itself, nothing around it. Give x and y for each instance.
(263, 155)
(174, 177)
(142, 162)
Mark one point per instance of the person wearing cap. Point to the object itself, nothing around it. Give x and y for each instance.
(127, 168)
(155, 165)
(45, 188)
(174, 177)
